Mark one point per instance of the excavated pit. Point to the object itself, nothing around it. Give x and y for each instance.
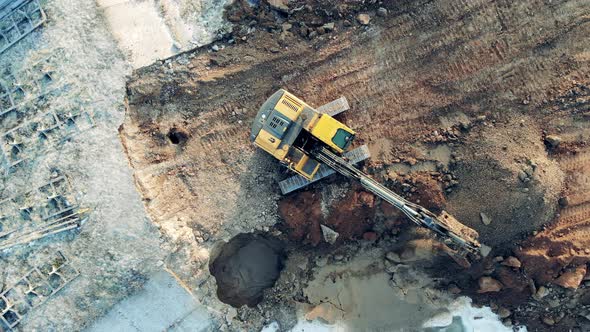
(177, 136)
(246, 266)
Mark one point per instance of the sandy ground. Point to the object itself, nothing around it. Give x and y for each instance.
(139, 30)
(359, 293)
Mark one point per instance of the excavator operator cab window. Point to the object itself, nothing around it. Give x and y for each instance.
(342, 138)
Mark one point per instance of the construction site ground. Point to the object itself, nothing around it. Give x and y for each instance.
(479, 108)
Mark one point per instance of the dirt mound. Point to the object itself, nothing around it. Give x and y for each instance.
(352, 216)
(428, 193)
(504, 172)
(246, 266)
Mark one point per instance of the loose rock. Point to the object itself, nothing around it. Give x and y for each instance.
(522, 176)
(512, 262)
(328, 26)
(390, 267)
(548, 320)
(489, 285)
(563, 201)
(363, 19)
(485, 219)
(541, 293)
(393, 257)
(572, 278)
(485, 250)
(504, 313)
(382, 12)
(286, 26)
(330, 235)
(280, 5)
(553, 141)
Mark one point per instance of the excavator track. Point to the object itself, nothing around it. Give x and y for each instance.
(458, 237)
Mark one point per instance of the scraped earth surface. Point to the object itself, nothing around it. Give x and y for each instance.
(476, 107)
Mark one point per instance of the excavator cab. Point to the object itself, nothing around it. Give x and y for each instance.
(288, 129)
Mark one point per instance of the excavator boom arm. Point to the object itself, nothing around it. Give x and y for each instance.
(451, 232)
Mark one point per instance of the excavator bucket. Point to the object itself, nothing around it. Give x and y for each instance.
(458, 228)
(469, 236)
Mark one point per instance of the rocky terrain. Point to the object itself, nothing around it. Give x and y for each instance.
(475, 107)
(479, 108)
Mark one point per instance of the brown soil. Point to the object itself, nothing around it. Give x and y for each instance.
(428, 193)
(350, 217)
(486, 80)
(302, 215)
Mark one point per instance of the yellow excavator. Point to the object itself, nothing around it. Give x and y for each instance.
(311, 143)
